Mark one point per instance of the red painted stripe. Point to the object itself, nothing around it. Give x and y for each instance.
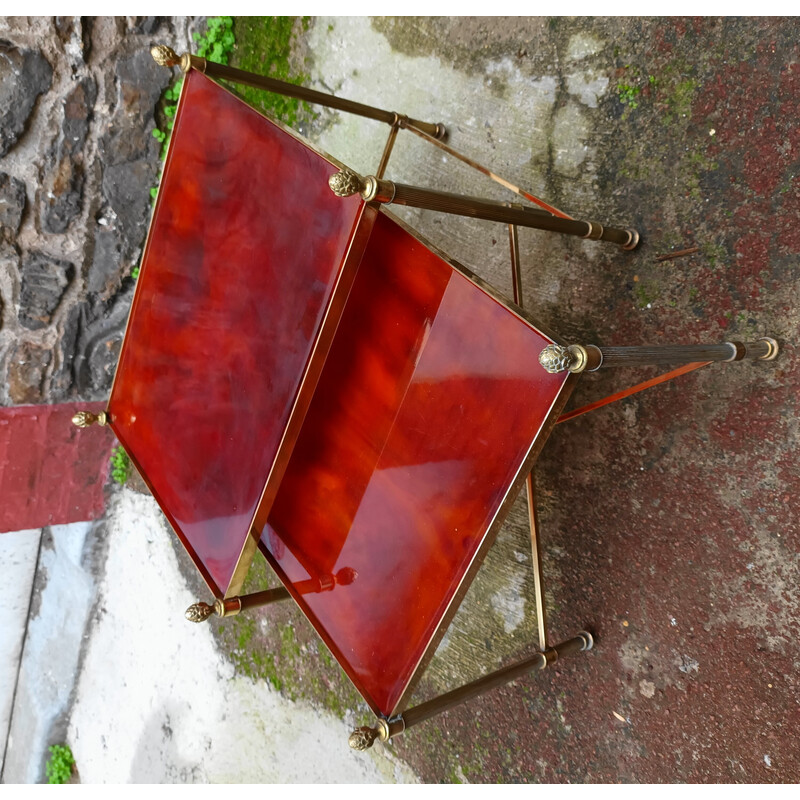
(51, 473)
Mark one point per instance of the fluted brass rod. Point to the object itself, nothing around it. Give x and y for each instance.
(479, 208)
(516, 276)
(231, 606)
(346, 182)
(577, 358)
(224, 72)
(536, 552)
(536, 557)
(683, 354)
(258, 599)
(413, 716)
(363, 738)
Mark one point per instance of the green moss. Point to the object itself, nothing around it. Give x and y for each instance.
(277, 645)
(646, 295)
(290, 649)
(263, 45)
(249, 660)
(681, 96)
(713, 252)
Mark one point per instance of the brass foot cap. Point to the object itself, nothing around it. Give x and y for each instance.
(773, 351)
(633, 241)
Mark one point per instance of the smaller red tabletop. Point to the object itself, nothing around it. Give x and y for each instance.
(244, 249)
(424, 419)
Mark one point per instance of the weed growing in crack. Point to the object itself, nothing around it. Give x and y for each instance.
(120, 465)
(628, 95)
(59, 766)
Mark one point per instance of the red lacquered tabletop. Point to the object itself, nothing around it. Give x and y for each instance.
(428, 407)
(245, 245)
(426, 404)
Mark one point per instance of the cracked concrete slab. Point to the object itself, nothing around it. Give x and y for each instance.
(18, 555)
(180, 714)
(52, 647)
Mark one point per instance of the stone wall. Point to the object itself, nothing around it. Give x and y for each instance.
(78, 99)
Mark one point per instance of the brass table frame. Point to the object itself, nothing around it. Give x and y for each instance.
(554, 358)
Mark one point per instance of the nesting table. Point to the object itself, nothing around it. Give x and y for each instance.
(304, 375)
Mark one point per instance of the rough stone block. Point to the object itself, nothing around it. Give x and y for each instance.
(27, 365)
(140, 82)
(24, 75)
(127, 149)
(44, 281)
(62, 378)
(101, 329)
(75, 34)
(66, 172)
(104, 271)
(12, 205)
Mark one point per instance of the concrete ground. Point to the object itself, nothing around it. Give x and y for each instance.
(669, 521)
(110, 666)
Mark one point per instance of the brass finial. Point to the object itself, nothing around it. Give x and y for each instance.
(164, 56)
(346, 183)
(199, 612)
(363, 738)
(557, 358)
(83, 419)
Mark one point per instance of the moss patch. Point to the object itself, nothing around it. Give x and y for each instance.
(276, 644)
(264, 45)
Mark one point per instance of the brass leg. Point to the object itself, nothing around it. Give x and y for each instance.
(169, 58)
(516, 276)
(536, 556)
(383, 191)
(230, 607)
(387, 150)
(363, 738)
(577, 358)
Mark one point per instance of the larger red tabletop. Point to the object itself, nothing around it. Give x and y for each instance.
(245, 246)
(429, 404)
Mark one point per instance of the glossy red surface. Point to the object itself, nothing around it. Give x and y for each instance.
(245, 244)
(426, 409)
